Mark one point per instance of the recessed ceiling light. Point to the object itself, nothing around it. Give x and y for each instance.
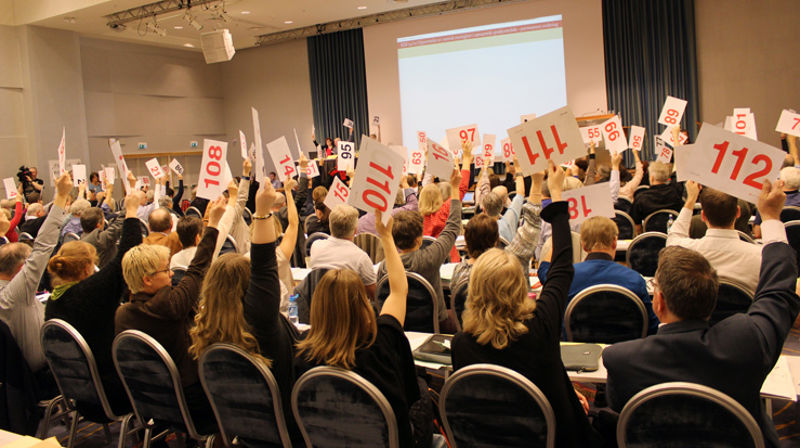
(245, 12)
(288, 22)
(362, 7)
(188, 45)
(178, 27)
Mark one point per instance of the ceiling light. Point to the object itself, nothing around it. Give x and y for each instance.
(245, 12)
(362, 7)
(70, 19)
(188, 45)
(178, 27)
(288, 22)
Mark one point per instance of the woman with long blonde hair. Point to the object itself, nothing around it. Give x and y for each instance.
(503, 326)
(345, 333)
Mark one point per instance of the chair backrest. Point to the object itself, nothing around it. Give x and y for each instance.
(606, 314)
(3, 240)
(642, 254)
(625, 225)
(177, 274)
(623, 205)
(422, 306)
(228, 246)
(793, 235)
(458, 301)
(640, 189)
(25, 236)
(502, 243)
(313, 238)
(247, 215)
(427, 241)
(335, 407)
(193, 211)
(370, 244)
(745, 237)
(244, 396)
(490, 405)
(70, 236)
(145, 228)
(686, 414)
(305, 291)
(152, 382)
(74, 368)
(732, 298)
(658, 220)
(790, 213)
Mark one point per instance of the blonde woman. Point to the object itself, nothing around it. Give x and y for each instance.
(434, 208)
(344, 333)
(503, 326)
(87, 300)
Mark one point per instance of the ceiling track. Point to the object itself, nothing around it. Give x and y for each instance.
(377, 19)
(120, 18)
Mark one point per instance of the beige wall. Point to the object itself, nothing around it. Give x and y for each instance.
(274, 79)
(747, 53)
(13, 137)
(140, 93)
(583, 53)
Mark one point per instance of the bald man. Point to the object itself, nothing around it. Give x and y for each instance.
(160, 223)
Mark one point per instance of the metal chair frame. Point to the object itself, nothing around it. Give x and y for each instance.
(426, 284)
(663, 210)
(359, 381)
(606, 287)
(791, 208)
(693, 390)
(69, 236)
(626, 217)
(640, 237)
(370, 244)
(193, 211)
(506, 374)
(268, 378)
(125, 431)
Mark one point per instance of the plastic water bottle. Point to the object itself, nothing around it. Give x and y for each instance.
(293, 309)
(669, 223)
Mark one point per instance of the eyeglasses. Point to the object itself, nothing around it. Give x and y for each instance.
(158, 272)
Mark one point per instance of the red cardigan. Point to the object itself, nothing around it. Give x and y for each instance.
(12, 233)
(433, 224)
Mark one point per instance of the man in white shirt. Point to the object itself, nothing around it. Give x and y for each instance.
(732, 258)
(190, 231)
(339, 251)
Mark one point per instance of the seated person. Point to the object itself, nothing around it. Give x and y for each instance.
(791, 183)
(407, 232)
(318, 222)
(599, 240)
(189, 231)
(434, 209)
(406, 199)
(103, 239)
(698, 228)
(87, 300)
(735, 355)
(20, 271)
(339, 252)
(34, 218)
(344, 333)
(160, 223)
(167, 313)
(492, 205)
(732, 258)
(73, 223)
(503, 326)
(663, 193)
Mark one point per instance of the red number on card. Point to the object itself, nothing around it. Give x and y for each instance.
(508, 150)
(741, 155)
(573, 208)
(210, 182)
(594, 133)
(421, 137)
(612, 132)
(439, 153)
(416, 158)
(216, 167)
(672, 116)
(546, 150)
(288, 167)
(467, 134)
(215, 152)
(796, 122)
(487, 150)
(370, 195)
(341, 192)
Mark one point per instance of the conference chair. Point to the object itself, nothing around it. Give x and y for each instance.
(422, 306)
(25, 237)
(177, 274)
(145, 228)
(793, 235)
(247, 215)
(228, 246)
(335, 407)
(427, 241)
(72, 364)
(153, 385)
(70, 236)
(686, 414)
(640, 189)
(313, 238)
(193, 211)
(305, 292)
(3, 240)
(732, 298)
(790, 213)
(490, 405)
(745, 237)
(642, 254)
(502, 243)
(244, 396)
(623, 205)
(658, 221)
(458, 301)
(370, 244)
(605, 314)
(625, 225)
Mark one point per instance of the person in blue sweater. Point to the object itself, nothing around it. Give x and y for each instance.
(599, 240)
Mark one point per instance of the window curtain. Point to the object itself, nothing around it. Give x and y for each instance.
(338, 84)
(649, 54)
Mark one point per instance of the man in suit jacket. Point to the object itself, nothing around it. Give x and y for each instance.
(735, 355)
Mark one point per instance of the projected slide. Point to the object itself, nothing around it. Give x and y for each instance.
(489, 75)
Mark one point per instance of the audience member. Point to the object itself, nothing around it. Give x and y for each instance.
(339, 251)
(32, 184)
(493, 203)
(190, 231)
(406, 199)
(735, 355)
(503, 326)
(160, 223)
(628, 188)
(73, 223)
(663, 193)
(791, 183)
(14, 220)
(599, 241)
(34, 218)
(733, 259)
(436, 211)
(103, 239)
(318, 222)
(87, 300)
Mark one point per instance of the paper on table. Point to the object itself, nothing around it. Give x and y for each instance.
(779, 382)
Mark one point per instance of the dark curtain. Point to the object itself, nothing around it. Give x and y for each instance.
(649, 54)
(338, 84)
